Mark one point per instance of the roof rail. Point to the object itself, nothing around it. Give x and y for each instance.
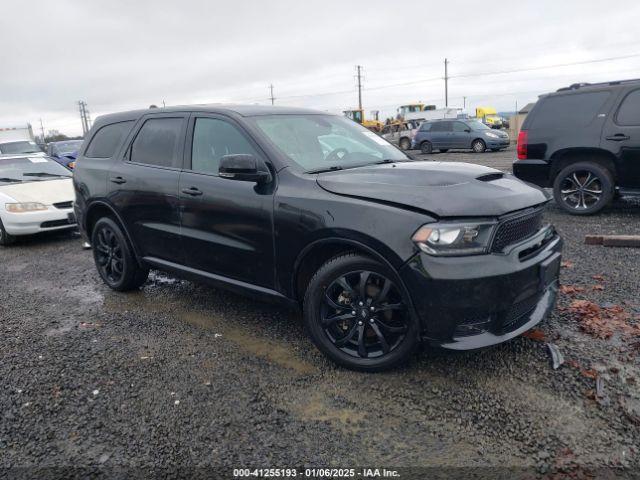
(576, 86)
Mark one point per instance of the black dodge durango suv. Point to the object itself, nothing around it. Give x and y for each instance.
(314, 210)
(584, 141)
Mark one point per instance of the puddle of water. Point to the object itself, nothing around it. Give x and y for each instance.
(262, 347)
(281, 355)
(314, 408)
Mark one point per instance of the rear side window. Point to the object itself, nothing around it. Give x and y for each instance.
(629, 112)
(441, 127)
(568, 111)
(157, 143)
(106, 140)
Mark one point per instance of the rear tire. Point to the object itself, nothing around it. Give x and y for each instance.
(426, 147)
(5, 238)
(583, 188)
(357, 313)
(404, 144)
(478, 146)
(114, 257)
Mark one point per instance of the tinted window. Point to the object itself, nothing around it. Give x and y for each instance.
(568, 111)
(441, 127)
(157, 143)
(629, 113)
(425, 127)
(107, 139)
(460, 127)
(212, 139)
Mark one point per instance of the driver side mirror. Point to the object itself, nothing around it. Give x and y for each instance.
(244, 167)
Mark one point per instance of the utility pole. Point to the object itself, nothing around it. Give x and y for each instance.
(273, 99)
(84, 125)
(446, 83)
(464, 102)
(85, 119)
(42, 130)
(359, 76)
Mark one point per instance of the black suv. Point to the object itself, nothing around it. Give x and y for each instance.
(584, 141)
(318, 212)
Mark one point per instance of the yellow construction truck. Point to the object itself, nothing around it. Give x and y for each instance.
(358, 117)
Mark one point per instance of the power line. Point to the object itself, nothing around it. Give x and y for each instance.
(543, 67)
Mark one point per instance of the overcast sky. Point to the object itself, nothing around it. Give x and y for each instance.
(118, 55)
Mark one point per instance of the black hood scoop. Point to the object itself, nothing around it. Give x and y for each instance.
(445, 189)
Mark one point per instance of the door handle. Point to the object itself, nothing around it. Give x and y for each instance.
(193, 191)
(618, 137)
(118, 180)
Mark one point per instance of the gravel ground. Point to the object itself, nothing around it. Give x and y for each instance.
(180, 375)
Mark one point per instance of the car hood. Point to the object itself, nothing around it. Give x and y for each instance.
(445, 189)
(46, 191)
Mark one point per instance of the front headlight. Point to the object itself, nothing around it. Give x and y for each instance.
(24, 207)
(455, 238)
(492, 135)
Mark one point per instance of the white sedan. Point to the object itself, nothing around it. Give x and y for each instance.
(36, 195)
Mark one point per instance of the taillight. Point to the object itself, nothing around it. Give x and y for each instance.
(523, 140)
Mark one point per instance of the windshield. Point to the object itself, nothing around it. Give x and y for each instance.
(69, 147)
(30, 169)
(475, 125)
(325, 142)
(23, 146)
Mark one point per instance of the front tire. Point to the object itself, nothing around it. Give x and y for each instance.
(583, 188)
(478, 146)
(114, 257)
(5, 238)
(357, 313)
(404, 144)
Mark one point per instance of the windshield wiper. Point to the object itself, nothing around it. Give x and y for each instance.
(6, 179)
(44, 174)
(329, 169)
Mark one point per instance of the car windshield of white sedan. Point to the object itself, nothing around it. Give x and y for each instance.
(19, 147)
(327, 142)
(30, 169)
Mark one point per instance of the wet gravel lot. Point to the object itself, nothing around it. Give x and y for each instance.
(183, 375)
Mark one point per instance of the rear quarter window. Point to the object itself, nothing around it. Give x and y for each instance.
(567, 111)
(107, 139)
(629, 112)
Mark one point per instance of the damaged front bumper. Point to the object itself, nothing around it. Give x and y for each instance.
(477, 301)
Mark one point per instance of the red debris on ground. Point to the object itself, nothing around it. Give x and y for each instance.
(603, 322)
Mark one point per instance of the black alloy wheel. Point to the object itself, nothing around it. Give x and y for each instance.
(109, 255)
(113, 257)
(360, 319)
(583, 188)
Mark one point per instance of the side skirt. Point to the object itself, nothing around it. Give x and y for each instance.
(246, 289)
